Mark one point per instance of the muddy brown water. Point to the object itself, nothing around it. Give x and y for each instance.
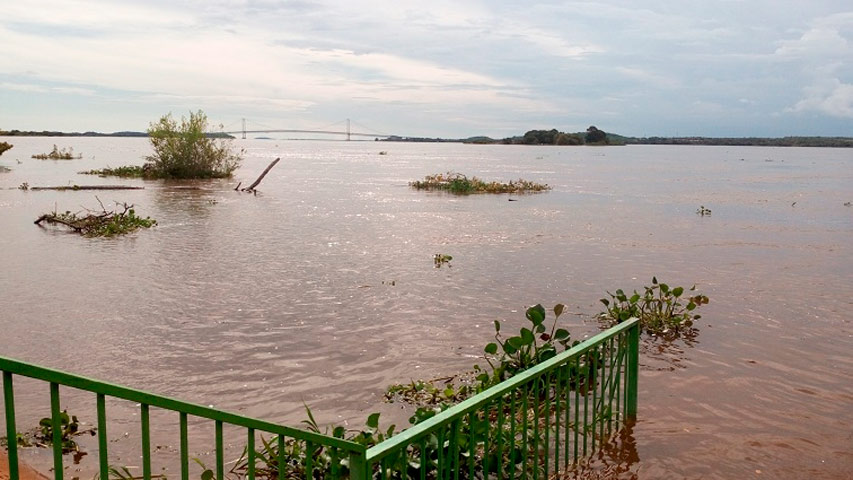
(322, 289)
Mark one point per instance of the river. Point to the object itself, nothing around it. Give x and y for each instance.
(321, 289)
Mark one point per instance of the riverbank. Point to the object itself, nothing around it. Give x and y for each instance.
(25, 471)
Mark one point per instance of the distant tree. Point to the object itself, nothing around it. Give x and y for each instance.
(186, 151)
(568, 139)
(594, 135)
(4, 146)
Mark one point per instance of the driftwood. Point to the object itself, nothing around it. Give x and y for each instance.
(88, 187)
(251, 188)
(97, 224)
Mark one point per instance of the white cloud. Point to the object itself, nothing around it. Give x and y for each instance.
(832, 98)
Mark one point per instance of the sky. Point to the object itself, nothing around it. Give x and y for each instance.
(432, 68)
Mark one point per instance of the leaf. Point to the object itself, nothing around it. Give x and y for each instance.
(373, 420)
(526, 337)
(545, 337)
(606, 302)
(677, 291)
(497, 326)
(540, 328)
(207, 475)
(561, 334)
(558, 309)
(634, 298)
(491, 348)
(536, 314)
(654, 280)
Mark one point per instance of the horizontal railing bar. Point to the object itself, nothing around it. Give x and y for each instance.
(412, 434)
(142, 397)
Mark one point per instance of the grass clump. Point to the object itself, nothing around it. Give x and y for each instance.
(58, 154)
(461, 184)
(127, 171)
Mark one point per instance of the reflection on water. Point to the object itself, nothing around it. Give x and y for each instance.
(321, 289)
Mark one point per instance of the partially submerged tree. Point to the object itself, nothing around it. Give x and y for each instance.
(4, 146)
(186, 151)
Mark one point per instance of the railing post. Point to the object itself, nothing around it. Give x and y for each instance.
(633, 371)
(11, 433)
(358, 466)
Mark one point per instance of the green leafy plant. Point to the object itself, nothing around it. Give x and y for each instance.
(531, 346)
(661, 310)
(185, 150)
(441, 259)
(69, 428)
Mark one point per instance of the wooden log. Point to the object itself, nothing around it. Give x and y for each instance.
(251, 188)
(89, 187)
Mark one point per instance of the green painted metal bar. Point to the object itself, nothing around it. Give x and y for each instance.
(454, 448)
(577, 371)
(146, 442)
(11, 429)
(167, 403)
(309, 460)
(250, 453)
(472, 444)
(558, 396)
(56, 426)
(512, 434)
(594, 386)
(500, 437)
(422, 449)
(547, 422)
(282, 459)
(535, 463)
(406, 437)
(358, 466)
(440, 473)
(336, 463)
(633, 370)
(220, 452)
(568, 410)
(486, 442)
(103, 456)
(185, 448)
(587, 381)
(525, 406)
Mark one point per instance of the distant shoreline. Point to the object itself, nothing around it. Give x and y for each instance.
(790, 141)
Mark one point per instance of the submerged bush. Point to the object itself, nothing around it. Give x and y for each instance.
(186, 151)
(57, 154)
(461, 184)
(4, 146)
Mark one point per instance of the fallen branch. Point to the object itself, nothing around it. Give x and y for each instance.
(251, 188)
(89, 187)
(99, 224)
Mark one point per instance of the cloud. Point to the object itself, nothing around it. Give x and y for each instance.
(832, 98)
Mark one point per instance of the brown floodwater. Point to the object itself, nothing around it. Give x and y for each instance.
(321, 290)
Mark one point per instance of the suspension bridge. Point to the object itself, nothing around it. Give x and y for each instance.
(336, 128)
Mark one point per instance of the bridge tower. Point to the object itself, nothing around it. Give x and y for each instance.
(348, 130)
(244, 129)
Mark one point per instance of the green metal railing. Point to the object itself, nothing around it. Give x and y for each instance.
(530, 426)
